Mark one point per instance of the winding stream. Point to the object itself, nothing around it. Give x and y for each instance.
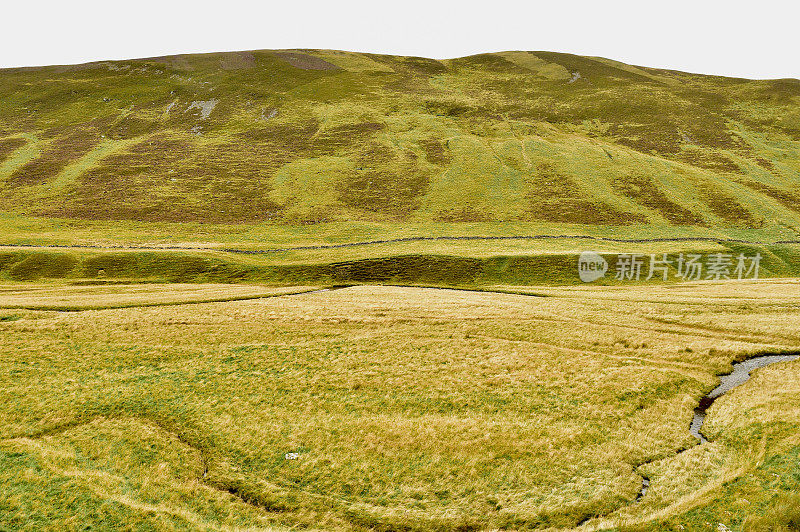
(739, 375)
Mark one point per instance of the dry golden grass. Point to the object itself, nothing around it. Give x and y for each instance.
(93, 296)
(408, 408)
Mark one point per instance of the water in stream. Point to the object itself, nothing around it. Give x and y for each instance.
(739, 375)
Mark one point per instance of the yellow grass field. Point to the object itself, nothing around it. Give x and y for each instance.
(92, 296)
(396, 408)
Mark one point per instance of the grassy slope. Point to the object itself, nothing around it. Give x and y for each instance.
(366, 267)
(274, 149)
(123, 417)
(410, 409)
(304, 137)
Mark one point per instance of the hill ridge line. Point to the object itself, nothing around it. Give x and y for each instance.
(189, 55)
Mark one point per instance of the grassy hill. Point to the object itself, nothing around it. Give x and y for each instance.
(310, 136)
(140, 389)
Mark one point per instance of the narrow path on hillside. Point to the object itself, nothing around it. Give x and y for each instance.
(687, 239)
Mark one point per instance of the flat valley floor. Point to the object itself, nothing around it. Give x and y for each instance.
(216, 407)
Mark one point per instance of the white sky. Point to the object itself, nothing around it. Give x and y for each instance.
(757, 39)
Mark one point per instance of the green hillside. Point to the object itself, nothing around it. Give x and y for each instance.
(319, 290)
(310, 136)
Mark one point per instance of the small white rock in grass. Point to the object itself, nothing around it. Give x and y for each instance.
(291, 456)
(205, 107)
